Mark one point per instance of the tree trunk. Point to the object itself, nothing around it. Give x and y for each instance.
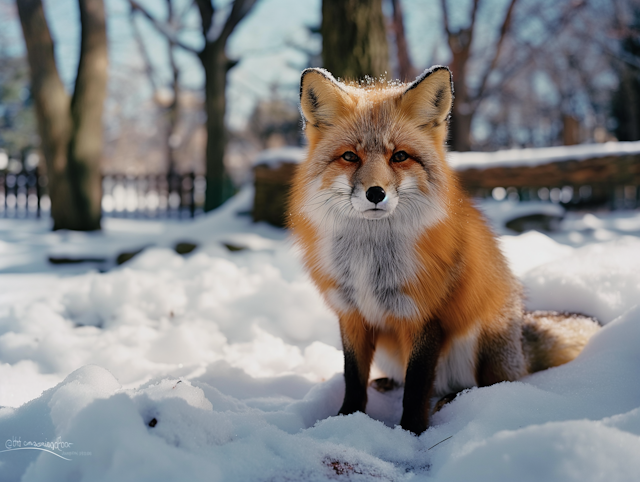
(462, 113)
(70, 131)
(625, 106)
(173, 110)
(406, 71)
(52, 107)
(570, 130)
(460, 130)
(216, 64)
(466, 103)
(354, 39)
(85, 146)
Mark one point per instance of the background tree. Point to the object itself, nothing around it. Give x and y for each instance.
(625, 103)
(354, 39)
(70, 128)
(170, 106)
(406, 71)
(17, 118)
(460, 42)
(216, 65)
(534, 57)
(553, 87)
(275, 123)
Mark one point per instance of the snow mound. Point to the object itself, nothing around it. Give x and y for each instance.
(601, 280)
(561, 424)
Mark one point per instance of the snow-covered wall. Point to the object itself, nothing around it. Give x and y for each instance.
(540, 155)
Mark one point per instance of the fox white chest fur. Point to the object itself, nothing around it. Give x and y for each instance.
(370, 260)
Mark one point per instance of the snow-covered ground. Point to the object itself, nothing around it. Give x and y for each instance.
(226, 365)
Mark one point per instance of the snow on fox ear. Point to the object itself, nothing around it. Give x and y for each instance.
(322, 98)
(429, 98)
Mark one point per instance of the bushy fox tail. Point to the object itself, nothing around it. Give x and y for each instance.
(551, 338)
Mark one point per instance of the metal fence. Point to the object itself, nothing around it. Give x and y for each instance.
(24, 194)
(178, 196)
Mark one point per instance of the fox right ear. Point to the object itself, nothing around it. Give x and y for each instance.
(429, 98)
(322, 98)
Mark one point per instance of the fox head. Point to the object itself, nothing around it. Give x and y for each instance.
(376, 151)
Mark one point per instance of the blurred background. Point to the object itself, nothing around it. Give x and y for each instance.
(166, 108)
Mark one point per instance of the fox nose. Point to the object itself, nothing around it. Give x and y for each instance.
(375, 194)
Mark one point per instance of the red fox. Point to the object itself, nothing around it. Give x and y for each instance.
(401, 255)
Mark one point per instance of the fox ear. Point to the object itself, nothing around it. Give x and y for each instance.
(322, 98)
(429, 98)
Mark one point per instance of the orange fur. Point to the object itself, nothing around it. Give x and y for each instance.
(421, 256)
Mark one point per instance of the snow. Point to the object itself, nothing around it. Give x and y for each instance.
(501, 212)
(276, 156)
(223, 365)
(540, 155)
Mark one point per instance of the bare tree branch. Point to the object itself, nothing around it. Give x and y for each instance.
(240, 9)
(207, 11)
(162, 28)
(630, 60)
(148, 67)
(406, 70)
(445, 19)
(503, 33)
(172, 59)
(173, 110)
(473, 21)
(534, 51)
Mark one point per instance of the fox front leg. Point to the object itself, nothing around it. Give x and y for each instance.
(358, 344)
(421, 373)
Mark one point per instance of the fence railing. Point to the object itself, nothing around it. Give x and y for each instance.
(24, 194)
(176, 196)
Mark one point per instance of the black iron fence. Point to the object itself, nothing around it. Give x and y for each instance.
(24, 194)
(178, 196)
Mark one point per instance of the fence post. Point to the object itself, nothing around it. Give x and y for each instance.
(192, 198)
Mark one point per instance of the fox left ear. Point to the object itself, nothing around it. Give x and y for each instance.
(430, 97)
(322, 98)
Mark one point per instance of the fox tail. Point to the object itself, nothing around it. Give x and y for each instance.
(551, 338)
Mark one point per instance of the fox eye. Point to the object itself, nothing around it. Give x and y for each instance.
(400, 156)
(350, 156)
